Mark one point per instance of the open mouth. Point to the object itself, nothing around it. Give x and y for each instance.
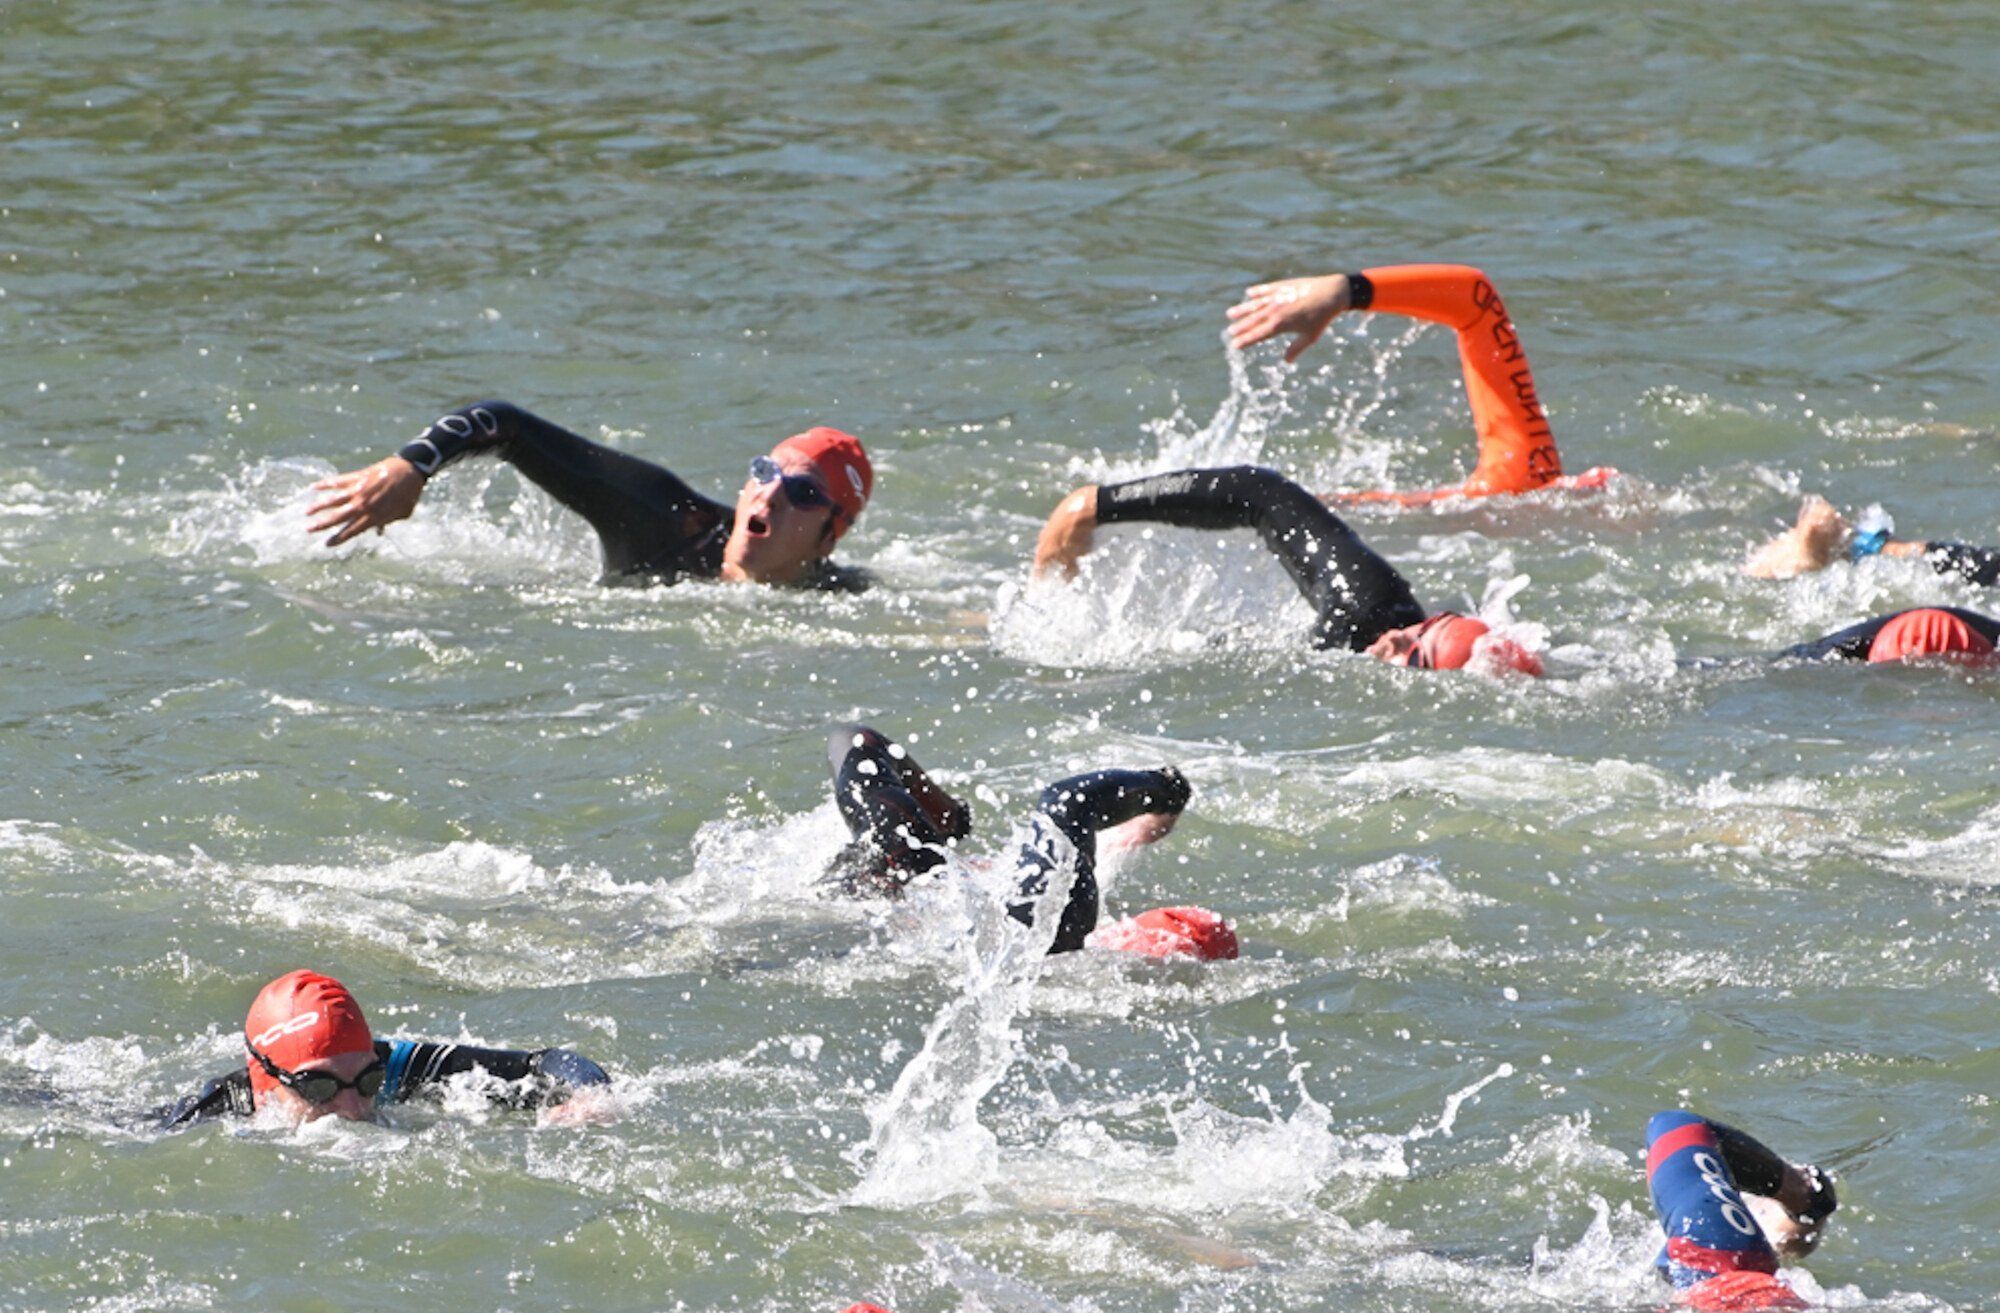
(757, 526)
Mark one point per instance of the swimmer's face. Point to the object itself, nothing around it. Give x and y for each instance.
(348, 1104)
(773, 538)
(1397, 646)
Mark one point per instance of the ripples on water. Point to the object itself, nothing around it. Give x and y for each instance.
(1489, 926)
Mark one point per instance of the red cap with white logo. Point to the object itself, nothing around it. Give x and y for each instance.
(301, 1017)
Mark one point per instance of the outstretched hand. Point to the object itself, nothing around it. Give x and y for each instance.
(364, 499)
(1300, 306)
(1068, 535)
(1813, 543)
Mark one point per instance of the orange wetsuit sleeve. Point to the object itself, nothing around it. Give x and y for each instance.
(1517, 451)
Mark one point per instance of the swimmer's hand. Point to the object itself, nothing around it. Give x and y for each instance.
(371, 498)
(1302, 307)
(1068, 535)
(592, 1105)
(1811, 544)
(1795, 1220)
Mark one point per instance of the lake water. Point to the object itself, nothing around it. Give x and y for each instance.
(1489, 928)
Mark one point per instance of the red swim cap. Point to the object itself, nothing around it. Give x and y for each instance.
(1169, 932)
(302, 1017)
(1929, 633)
(865, 1308)
(1444, 642)
(842, 465)
(1741, 1292)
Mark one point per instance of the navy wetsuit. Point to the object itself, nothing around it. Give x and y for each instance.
(1356, 595)
(901, 823)
(536, 1077)
(653, 528)
(1854, 642)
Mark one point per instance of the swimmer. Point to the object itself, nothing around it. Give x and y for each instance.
(1731, 1209)
(309, 1053)
(1363, 604)
(653, 528)
(1946, 633)
(1822, 536)
(1517, 449)
(902, 824)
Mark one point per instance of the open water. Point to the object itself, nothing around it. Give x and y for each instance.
(1489, 927)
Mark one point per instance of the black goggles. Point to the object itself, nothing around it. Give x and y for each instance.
(801, 490)
(323, 1086)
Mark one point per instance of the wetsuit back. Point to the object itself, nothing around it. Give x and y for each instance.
(538, 1076)
(1356, 595)
(652, 527)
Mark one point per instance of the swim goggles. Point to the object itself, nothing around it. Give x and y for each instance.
(801, 490)
(323, 1086)
(1419, 656)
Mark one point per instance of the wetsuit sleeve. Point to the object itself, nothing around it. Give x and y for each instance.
(898, 818)
(225, 1096)
(1517, 449)
(648, 521)
(1356, 595)
(1853, 643)
(1977, 565)
(1076, 809)
(537, 1077)
(1689, 1173)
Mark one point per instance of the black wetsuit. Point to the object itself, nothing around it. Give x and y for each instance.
(1853, 642)
(536, 1077)
(653, 528)
(1975, 565)
(897, 838)
(1356, 594)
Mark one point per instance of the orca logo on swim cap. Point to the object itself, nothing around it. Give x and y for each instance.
(854, 477)
(302, 1021)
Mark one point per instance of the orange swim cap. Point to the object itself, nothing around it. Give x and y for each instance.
(1444, 642)
(1929, 633)
(1741, 1292)
(842, 466)
(1169, 932)
(302, 1017)
(865, 1308)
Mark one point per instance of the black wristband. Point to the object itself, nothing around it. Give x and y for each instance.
(1360, 292)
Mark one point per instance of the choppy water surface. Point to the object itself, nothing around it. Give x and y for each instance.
(1489, 928)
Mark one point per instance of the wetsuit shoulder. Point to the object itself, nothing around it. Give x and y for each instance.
(651, 526)
(828, 577)
(1976, 565)
(226, 1096)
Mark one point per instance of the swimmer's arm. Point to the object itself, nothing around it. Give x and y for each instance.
(1084, 804)
(1236, 497)
(536, 1077)
(1804, 1195)
(227, 1095)
(633, 504)
(1069, 534)
(1850, 644)
(851, 745)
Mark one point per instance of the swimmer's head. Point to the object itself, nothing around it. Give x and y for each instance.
(1170, 932)
(1448, 641)
(795, 506)
(1930, 633)
(305, 1025)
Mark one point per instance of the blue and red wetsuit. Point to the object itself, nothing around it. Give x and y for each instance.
(1715, 1254)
